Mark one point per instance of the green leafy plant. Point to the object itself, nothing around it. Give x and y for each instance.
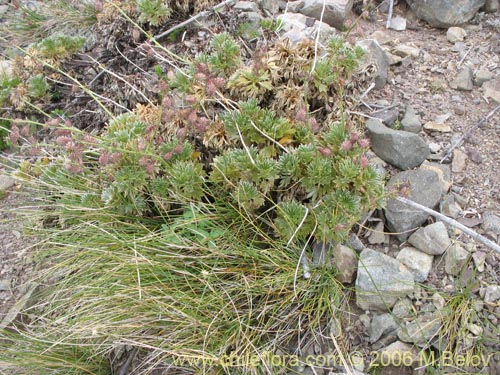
(4, 133)
(187, 217)
(154, 12)
(57, 47)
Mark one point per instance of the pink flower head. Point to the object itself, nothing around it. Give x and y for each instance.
(202, 68)
(168, 156)
(14, 134)
(301, 115)
(63, 140)
(219, 82)
(104, 158)
(354, 136)
(166, 103)
(87, 138)
(192, 117)
(363, 161)
(181, 133)
(141, 144)
(200, 77)
(115, 157)
(178, 149)
(162, 85)
(25, 130)
(202, 124)
(364, 143)
(346, 145)
(211, 88)
(313, 124)
(52, 122)
(325, 151)
(190, 99)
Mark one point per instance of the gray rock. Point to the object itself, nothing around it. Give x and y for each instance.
(296, 27)
(490, 6)
(411, 121)
(479, 257)
(381, 37)
(270, 6)
(6, 182)
(491, 223)
(382, 325)
(434, 147)
(246, 6)
(459, 161)
(403, 309)
(456, 34)
(6, 68)
(455, 259)
(418, 262)
(4, 284)
(377, 235)
(445, 13)
(398, 23)
(463, 81)
(375, 56)
(449, 207)
(355, 243)
(432, 239)
(387, 116)
(492, 293)
(253, 17)
(438, 301)
(345, 260)
(398, 349)
(404, 50)
(425, 189)
(402, 149)
(482, 76)
(421, 331)
(381, 281)
(492, 89)
(335, 11)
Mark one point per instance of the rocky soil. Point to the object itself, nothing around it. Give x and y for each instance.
(433, 120)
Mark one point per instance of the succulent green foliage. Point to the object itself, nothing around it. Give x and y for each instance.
(293, 220)
(252, 83)
(225, 57)
(186, 180)
(6, 86)
(296, 173)
(58, 47)
(238, 165)
(256, 125)
(4, 132)
(38, 87)
(155, 12)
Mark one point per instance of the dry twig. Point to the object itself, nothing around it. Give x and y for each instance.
(452, 222)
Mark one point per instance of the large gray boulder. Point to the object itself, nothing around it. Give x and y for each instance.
(445, 13)
(335, 14)
(381, 281)
(402, 149)
(424, 188)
